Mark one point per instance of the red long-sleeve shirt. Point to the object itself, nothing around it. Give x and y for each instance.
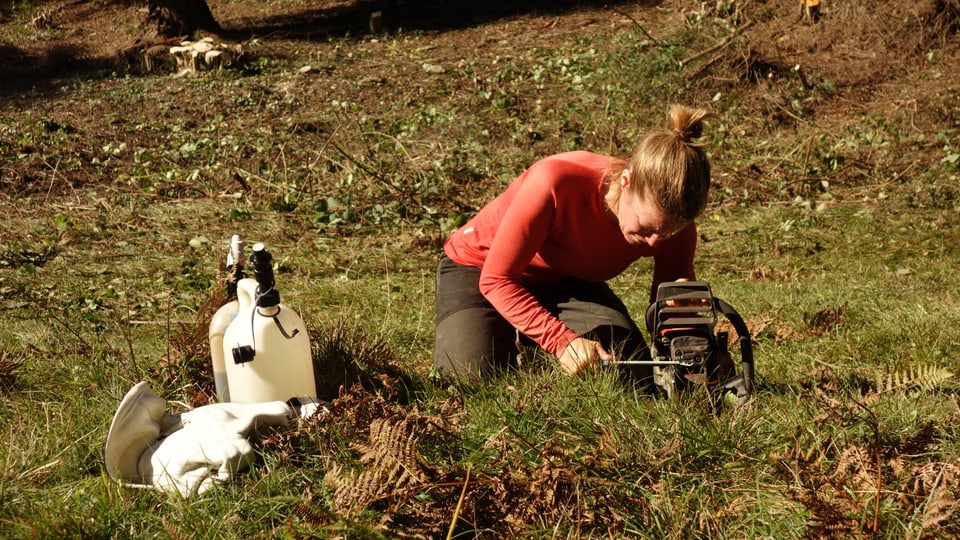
(552, 222)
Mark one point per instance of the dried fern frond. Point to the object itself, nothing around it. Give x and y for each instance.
(352, 491)
(8, 372)
(392, 465)
(310, 515)
(393, 448)
(923, 377)
(938, 485)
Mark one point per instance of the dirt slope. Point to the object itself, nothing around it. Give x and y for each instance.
(900, 60)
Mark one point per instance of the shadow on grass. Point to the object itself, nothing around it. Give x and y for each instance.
(409, 15)
(22, 71)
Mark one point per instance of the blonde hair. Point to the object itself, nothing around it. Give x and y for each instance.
(670, 165)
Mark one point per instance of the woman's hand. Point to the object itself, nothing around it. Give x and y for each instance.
(582, 352)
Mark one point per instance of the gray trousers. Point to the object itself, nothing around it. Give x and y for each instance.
(473, 341)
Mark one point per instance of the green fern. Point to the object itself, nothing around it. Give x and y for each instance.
(924, 377)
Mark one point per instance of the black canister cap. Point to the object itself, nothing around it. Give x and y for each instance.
(262, 261)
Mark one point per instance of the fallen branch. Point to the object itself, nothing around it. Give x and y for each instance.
(718, 46)
(640, 26)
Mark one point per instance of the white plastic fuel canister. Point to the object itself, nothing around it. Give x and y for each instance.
(266, 348)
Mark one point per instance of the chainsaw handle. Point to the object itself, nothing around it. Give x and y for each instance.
(681, 292)
(692, 315)
(743, 335)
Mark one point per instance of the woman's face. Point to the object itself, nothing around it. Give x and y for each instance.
(641, 218)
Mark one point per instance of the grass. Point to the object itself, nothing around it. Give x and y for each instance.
(836, 253)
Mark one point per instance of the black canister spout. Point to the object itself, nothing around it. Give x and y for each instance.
(267, 294)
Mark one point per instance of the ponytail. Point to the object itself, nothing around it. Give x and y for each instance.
(686, 122)
(672, 166)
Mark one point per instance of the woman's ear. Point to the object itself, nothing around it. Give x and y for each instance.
(625, 177)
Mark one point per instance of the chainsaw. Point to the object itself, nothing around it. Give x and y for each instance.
(687, 351)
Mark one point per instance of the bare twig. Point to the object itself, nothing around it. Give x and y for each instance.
(127, 338)
(640, 26)
(363, 167)
(702, 67)
(169, 357)
(762, 325)
(729, 39)
(456, 511)
(874, 422)
(86, 345)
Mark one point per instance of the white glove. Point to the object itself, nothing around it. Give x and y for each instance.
(210, 446)
(192, 451)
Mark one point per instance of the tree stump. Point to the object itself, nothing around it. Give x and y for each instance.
(181, 17)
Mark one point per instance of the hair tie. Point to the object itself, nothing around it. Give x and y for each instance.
(692, 132)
